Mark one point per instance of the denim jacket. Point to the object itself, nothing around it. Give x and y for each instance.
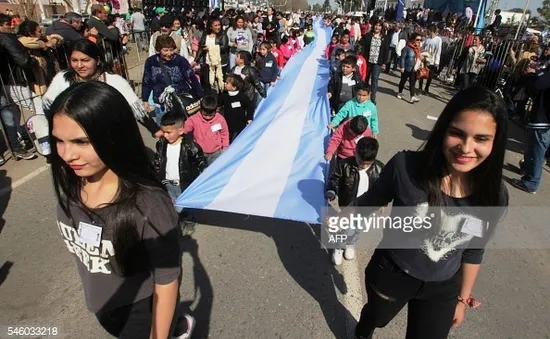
(408, 59)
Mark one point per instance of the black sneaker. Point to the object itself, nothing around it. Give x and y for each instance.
(25, 155)
(517, 183)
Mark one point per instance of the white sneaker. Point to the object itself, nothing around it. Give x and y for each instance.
(399, 96)
(190, 327)
(337, 257)
(414, 99)
(349, 252)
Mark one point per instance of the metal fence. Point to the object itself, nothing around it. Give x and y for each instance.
(21, 94)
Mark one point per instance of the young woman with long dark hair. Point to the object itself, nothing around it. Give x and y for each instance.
(86, 64)
(456, 179)
(115, 215)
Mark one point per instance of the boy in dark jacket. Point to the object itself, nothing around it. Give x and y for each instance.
(249, 74)
(238, 110)
(351, 179)
(268, 70)
(177, 162)
(341, 87)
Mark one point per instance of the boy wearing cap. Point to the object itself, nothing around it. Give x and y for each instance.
(155, 22)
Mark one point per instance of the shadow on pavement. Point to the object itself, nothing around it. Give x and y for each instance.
(203, 291)
(418, 133)
(300, 252)
(4, 271)
(5, 194)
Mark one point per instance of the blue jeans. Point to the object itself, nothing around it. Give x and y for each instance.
(159, 113)
(538, 141)
(232, 61)
(210, 157)
(11, 118)
(374, 74)
(173, 190)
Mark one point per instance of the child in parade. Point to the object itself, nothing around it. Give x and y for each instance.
(266, 64)
(178, 162)
(351, 178)
(209, 129)
(238, 110)
(342, 84)
(360, 105)
(345, 138)
(249, 74)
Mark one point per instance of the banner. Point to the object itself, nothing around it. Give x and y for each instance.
(400, 8)
(275, 167)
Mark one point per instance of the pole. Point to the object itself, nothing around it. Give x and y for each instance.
(522, 18)
(478, 10)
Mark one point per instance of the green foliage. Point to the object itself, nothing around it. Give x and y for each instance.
(544, 11)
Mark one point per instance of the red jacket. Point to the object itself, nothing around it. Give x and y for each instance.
(343, 141)
(211, 135)
(278, 56)
(330, 48)
(362, 65)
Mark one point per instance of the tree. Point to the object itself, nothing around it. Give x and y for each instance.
(28, 9)
(544, 11)
(326, 6)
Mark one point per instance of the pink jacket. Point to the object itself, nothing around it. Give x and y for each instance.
(287, 51)
(343, 141)
(211, 135)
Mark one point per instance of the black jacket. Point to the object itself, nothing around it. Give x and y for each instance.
(222, 40)
(540, 113)
(68, 32)
(237, 110)
(251, 83)
(335, 86)
(344, 181)
(268, 25)
(192, 161)
(104, 32)
(15, 57)
(384, 55)
(268, 70)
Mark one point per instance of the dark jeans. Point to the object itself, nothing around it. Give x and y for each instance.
(372, 77)
(467, 80)
(393, 58)
(433, 73)
(134, 321)
(431, 305)
(173, 190)
(538, 141)
(411, 76)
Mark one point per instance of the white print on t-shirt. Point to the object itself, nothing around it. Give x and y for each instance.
(440, 245)
(96, 259)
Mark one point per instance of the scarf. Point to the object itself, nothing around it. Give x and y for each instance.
(415, 48)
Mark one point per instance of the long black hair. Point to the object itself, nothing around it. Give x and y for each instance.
(108, 121)
(93, 51)
(486, 178)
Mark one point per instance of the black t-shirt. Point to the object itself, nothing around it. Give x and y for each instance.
(160, 263)
(433, 254)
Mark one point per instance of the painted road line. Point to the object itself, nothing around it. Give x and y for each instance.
(430, 117)
(24, 179)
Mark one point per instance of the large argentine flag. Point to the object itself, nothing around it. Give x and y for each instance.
(275, 167)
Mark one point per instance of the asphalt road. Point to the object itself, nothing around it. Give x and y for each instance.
(259, 278)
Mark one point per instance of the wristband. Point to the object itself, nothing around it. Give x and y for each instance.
(470, 302)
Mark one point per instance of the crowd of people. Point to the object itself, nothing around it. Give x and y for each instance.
(202, 82)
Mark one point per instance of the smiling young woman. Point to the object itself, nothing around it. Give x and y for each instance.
(458, 170)
(114, 215)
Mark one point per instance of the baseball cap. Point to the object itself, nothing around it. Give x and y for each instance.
(160, 10)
